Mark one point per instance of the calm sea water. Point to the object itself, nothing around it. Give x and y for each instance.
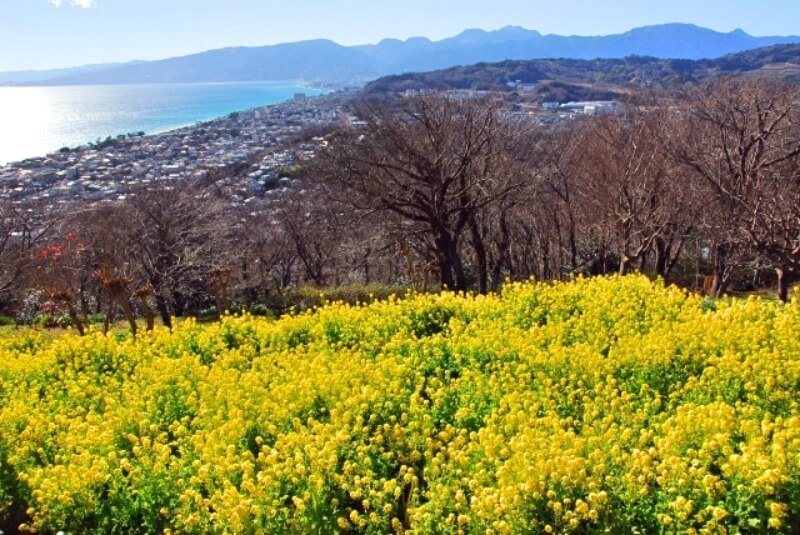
(37, 120)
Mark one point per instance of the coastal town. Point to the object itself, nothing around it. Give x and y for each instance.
(251, 152)
(249, 149)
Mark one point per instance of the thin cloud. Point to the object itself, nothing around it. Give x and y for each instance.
(75, 3)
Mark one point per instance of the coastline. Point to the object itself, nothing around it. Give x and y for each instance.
(243, 110)
(253, 142)
(92, 139)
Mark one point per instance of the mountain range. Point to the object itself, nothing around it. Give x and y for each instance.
(326, 61)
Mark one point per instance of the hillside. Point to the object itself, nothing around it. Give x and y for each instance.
(607, 405)
(309, 60)
(323, 60)
(566, 77)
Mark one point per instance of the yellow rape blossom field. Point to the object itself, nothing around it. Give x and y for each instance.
(607, 405)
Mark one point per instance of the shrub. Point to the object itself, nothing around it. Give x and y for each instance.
(309, 297)
(45, 320)
(96, 318)
(260, 310)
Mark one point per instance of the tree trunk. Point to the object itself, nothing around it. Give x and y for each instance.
(545, 273)
(149, 316)
(180, 304)
(222, 306)
(662, 257)
(451, 268)
(783, 284)
(76, 319)
(107, 318)
(624, 264)
(718, 284)
(573, 246)
(127, 310)
(83, 300)
(720, 269)
(163, 311)
(98, 301)
(458, 271)
(367, 274)
(480, 255)
(502, 259)
(446, 273)
(459, 278)
(283, 278)
(643, 262)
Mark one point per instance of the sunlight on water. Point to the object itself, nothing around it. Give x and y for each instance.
(27, 121)
(38, 120)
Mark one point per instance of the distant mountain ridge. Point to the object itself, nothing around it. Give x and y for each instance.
(35, 76)
(326, 61)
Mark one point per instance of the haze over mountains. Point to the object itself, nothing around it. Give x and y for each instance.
(34, 76)
(326, 61)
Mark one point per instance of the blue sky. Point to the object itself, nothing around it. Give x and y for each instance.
(37, 34)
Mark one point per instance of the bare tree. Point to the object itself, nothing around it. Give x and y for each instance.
(743, 140)
(22, 230)
(274, 256)
(437, 163)
(625, 186)
(60, 270)
(177, 233)
(314, 228)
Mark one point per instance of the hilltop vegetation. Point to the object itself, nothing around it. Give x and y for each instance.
(604, 76)
(603, 405)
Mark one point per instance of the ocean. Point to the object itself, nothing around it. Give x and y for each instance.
(35, 121)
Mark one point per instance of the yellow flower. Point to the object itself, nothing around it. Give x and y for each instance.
(472, 411)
